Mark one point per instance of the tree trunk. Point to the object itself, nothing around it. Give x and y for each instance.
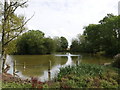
(3, 62)
(3, 54)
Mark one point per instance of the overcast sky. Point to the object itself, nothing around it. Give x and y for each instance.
(67, 17)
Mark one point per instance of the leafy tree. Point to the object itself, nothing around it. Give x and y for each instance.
(111, 34)
(61, 44)
(12, 24)
(75, 45)
(34, 42)
(92, 33)
(64, 43)
(31, 42)
(102, 37)
(49, 45)
(57, 43)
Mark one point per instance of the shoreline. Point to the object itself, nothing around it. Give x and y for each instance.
(6, 77)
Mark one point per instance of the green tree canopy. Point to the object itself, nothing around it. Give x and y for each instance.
(31, 42)
(102, 37)
(61, 44)
(34, 42)
(64, 43)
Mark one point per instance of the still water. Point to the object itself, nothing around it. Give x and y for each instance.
(37, 65)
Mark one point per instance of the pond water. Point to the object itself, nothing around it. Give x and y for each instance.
(37, 65)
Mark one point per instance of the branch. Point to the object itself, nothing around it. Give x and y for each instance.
(17, 29)
(23, 3)
(19, 5)
(12, 38)
(21, 25)
(11, 5)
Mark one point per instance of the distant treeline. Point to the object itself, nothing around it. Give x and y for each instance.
(103, 37)
(34, 42)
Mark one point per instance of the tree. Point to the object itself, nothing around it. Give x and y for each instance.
(31, 42)
(49, 45)
(93, 34)
(12, 24)
(57, 44)
(64, 43)
(34, 42)
(111, 34)
(61, 44)
(74, 46)
(103, 37)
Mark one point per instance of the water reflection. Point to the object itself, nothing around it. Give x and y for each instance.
(37, 65)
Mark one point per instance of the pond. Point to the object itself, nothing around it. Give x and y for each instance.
(37, 65)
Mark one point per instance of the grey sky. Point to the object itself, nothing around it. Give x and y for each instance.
(67, 17)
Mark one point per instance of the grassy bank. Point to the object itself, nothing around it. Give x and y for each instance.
(81, 76)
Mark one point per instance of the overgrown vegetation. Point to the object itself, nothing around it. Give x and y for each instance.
(103, 37)
(89, 76)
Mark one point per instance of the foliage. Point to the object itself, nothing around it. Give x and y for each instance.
(34, 42)
(11, 48)
(57, 44)
(88, 76)
(49, 45)
(102, 37)
(64, 43)
(75, 46)
(16, 85)
(85, 69)
(61, 44)
(12, 24)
